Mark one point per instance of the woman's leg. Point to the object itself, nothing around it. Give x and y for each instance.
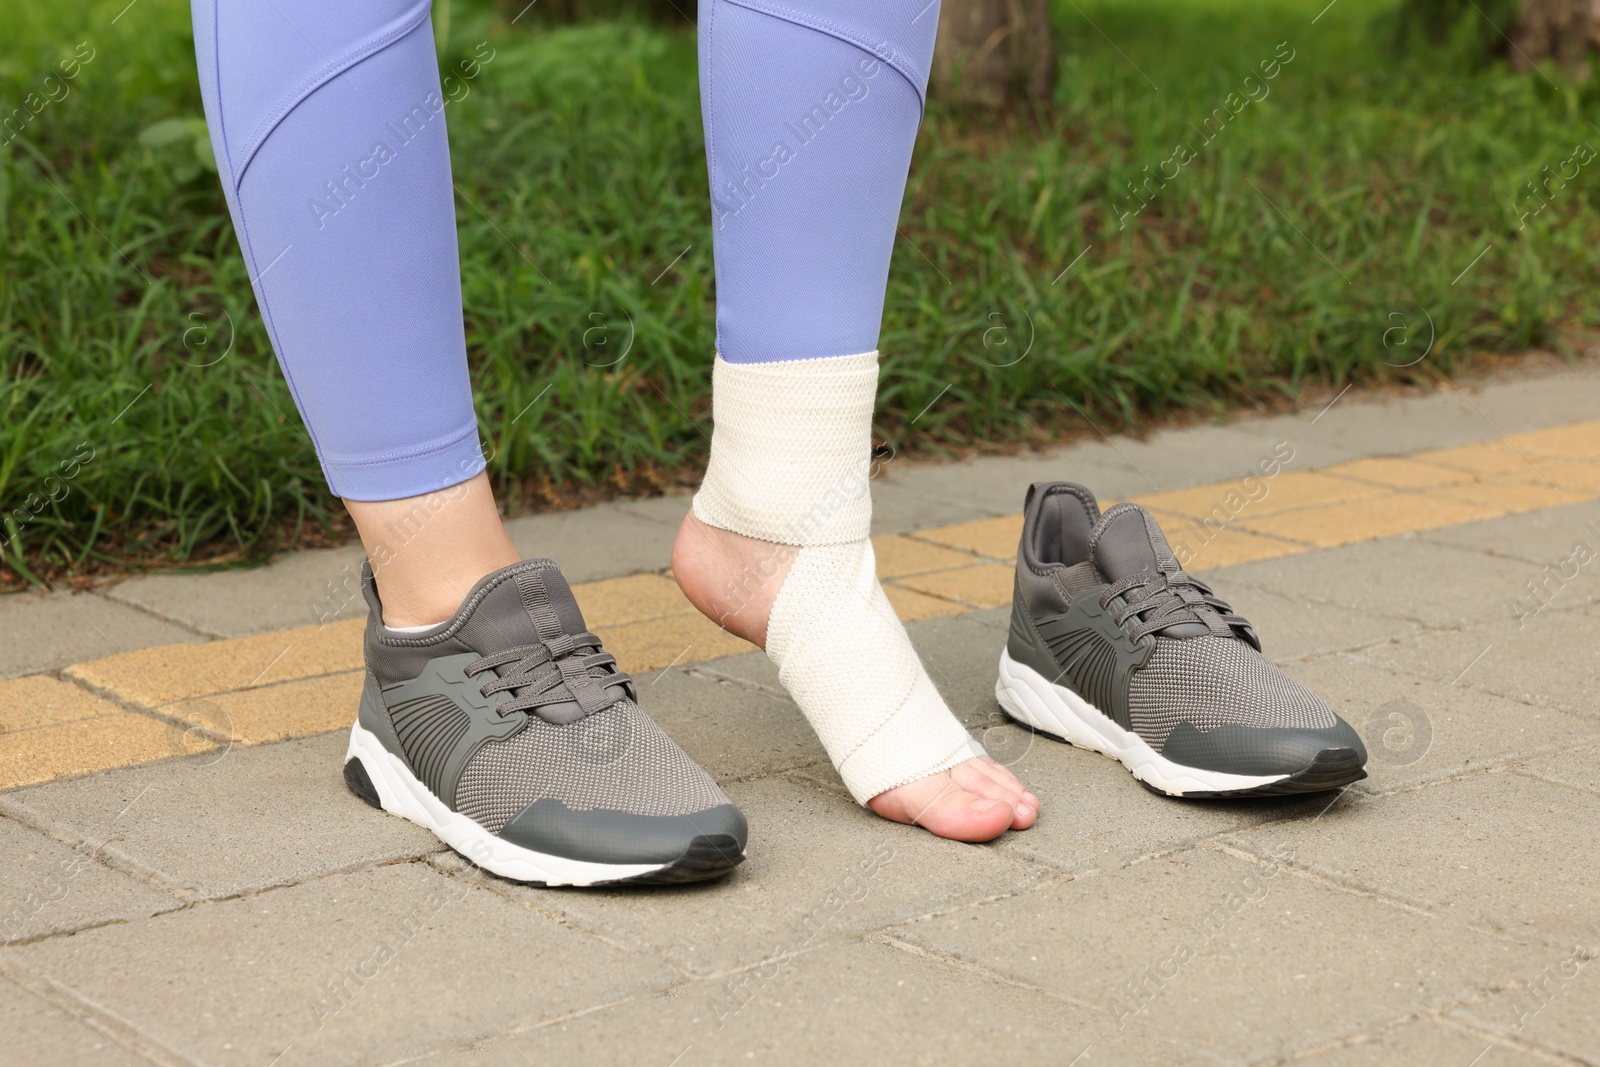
(811, 109)
(505, 729)
(329, 130)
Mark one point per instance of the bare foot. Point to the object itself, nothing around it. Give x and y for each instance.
(734, 580)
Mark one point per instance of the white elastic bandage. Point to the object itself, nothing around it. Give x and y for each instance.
(790, 457)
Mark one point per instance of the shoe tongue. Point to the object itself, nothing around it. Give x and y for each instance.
(1126, 541)
(508, 602)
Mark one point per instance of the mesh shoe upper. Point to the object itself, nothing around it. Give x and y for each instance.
(512, 701)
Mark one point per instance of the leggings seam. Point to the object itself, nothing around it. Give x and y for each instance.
(711, 142)
(321, 77)
(915, 77)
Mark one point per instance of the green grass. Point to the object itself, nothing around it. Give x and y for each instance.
(1358, 190)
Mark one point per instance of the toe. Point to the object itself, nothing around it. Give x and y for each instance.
(989, 779)
(942, 806)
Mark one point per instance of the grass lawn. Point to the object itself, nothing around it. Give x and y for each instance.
(1309, 239)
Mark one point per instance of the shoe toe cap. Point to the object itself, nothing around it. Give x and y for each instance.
(1249, 750)
(602, 835)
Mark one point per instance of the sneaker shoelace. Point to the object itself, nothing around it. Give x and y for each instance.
(1158, 599)
(562, 668)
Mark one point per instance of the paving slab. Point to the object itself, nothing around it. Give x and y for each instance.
(47, 887)
(820, 869)
(1223, 953)
(1095, 815)
(1418, 730)
(298, 589)
(1555, 1007)
(47, 631)
(605, 541)
(1293, 626)
(863, 1003)
(38, 1032)
(1400, 578)
(732, 731)
(1552, 661)
(225, 823)
(1501, 851)
(367, 967)
(1422, 1041)
(1541, 538)
(1577, 767)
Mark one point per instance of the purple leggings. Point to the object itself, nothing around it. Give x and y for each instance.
(329, 131)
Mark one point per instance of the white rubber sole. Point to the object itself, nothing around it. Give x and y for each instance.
(1029, 697)
(399, 793)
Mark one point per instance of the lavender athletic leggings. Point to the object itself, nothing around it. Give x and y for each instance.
(328, 125)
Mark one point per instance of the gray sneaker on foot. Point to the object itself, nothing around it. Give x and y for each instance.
(1115, 648)
(509, 733)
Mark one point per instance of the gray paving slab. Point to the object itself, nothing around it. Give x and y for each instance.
(298, 589)
(1422, 1041)
(39, 1033)
(899, 508)
(47, 631)
(1477, 411)
(1555, 1006)
(1552, 661)
(1577, 767)
(47, 887)
(1223, 953)
(366, 967)
(218, 826)
(730, 730)
(1541, 538)
(1094, 815)
(1418, 730)
(1399, 578)
(605, 541)
(1293, 626)
(864, 1003)
(820, 869)
(1501, 851)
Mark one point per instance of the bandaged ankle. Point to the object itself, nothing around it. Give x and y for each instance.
(789, 464)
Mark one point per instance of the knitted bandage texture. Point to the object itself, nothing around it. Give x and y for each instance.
(789, 462)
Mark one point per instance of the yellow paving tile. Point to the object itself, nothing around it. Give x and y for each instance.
(649, 646)
(1400, 473)
(276, 712)
(622, 600)
(1226, 502)
(1496, 457)
(40, 700)
(120, 740)
(1580, 440)
(910, 604)
(154, 676)
(985, 585)
(1573, 474)
(1201, 549)
(1513, 498)
(898, 556)
(1366, 520)
(995, 538)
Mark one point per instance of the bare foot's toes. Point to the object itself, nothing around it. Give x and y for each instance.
(987, 778)
(965, 803)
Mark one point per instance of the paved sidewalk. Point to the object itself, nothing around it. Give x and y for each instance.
(186, 880)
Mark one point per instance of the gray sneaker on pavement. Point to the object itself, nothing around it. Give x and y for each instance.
(509, 733)
(1115, 648)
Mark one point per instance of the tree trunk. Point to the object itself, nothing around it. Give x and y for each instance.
(994, 52)
(1562, 30)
